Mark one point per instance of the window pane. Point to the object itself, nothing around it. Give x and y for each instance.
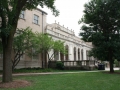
(22, 14)
(36, 19)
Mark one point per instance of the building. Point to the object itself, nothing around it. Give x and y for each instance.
(77, 49)
(36, 19)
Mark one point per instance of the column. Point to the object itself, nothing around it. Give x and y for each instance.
(70, 53)
(64, 58)
(84, 54)
(58, 56)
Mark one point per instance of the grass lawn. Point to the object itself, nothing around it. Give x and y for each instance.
(39, 70)
(78, 81)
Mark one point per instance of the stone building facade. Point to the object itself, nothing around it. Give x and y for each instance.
(77, 49)
(36, 19)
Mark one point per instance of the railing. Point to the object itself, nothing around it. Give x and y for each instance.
(79, 63)
(74, 63)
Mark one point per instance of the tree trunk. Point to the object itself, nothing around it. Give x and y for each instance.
(7, 63)
(7, 36)
(43, 59)
(111, 61)
(16, 60)
(111, 66)
(46, 63)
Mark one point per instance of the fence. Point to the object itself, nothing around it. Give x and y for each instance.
(84, 64)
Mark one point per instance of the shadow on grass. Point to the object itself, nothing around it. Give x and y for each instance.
(115, 72)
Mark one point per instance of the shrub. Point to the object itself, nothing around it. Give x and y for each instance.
(116, 63)
(59, 65)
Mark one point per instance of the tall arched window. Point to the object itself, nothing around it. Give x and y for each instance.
(82, 54)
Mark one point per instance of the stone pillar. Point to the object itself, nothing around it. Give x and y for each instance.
(59, 56)
(84, 54)
(71, 53)
(64, 58)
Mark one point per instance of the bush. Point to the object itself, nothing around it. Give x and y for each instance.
(32, 70)
(59, 65)
(116, 63)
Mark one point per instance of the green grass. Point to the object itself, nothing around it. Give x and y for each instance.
(79, 81)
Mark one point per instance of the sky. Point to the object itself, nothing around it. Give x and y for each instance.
(71, 11)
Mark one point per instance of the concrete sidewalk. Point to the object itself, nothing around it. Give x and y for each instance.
(107, 69)
(49, 73)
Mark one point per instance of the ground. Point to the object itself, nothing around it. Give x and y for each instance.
(15, 84)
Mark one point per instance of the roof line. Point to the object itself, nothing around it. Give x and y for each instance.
(42, 11)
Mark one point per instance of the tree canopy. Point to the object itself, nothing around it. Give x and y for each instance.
(9, 15)
(44, 44)
(28, 43)
(23, 42)
(101, 26)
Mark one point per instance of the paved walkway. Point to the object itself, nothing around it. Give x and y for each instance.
(107, 69)
(49, 73)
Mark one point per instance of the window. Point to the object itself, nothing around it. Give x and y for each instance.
(36, 19)
(22, 14)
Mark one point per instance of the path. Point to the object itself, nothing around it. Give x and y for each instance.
(49, 73)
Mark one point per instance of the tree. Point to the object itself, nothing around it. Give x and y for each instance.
(101, 26)
(22, 43)
(9, 14)
(58, 47)
(45, 43)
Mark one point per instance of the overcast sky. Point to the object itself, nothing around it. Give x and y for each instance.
(70, 13)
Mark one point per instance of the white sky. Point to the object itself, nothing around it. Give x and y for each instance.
(70, 13)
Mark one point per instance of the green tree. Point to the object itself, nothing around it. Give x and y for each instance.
(9, 15)
(58, 47)
(44, 44)
(22, 43)
(101, 26)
